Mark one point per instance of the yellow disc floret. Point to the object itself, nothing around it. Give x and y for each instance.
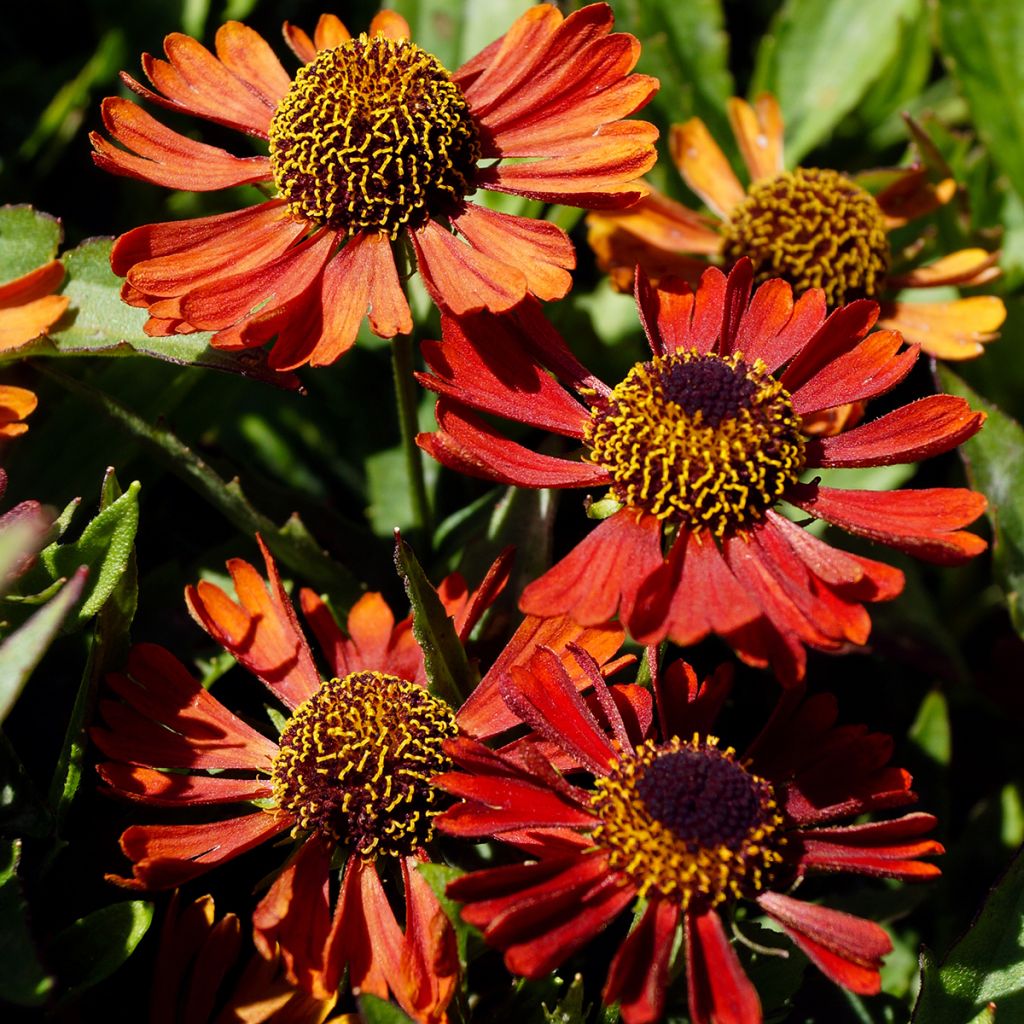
(356, 762)
(687, 822)
(814, 228)
(706, 440)
(373, 135)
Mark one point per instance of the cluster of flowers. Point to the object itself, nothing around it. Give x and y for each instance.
(610, 799)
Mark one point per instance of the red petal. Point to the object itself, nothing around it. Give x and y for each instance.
(770, 310)
(808, 316)
(638, 975)
(836, 336)
(665, 312)
(250, 57)
(720, 992)
(166, 789)
(602, 573)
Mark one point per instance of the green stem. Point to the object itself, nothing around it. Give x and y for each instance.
(406, 397)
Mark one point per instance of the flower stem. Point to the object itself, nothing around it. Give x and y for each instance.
(406, 395)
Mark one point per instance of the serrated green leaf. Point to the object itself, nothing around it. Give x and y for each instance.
(28, 239)
(995, 466)
(438, 877)
(23, 981)
(985, 965)
(23, 649)
(105, 546)
(448, 670)
(820, 58)
(98, 323)
(379, 1011)
(983, 43)
(97, 945)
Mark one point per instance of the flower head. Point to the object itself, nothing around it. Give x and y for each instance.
(812, 227)
(685, 824)
(698, 446)
(348, 777)
(373, 145)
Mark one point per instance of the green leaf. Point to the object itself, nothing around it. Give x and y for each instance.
(985, 965)
(23, 649)
(97, 945)
(819, 59)
(373, 1010)
(983, 43)
(931, 732)
(28, 239)
(448, 669)
(438, 877)
(686, 48)
(98, 323)
(995, 466)
(105, 546)
(22, 978)
(570, 1008)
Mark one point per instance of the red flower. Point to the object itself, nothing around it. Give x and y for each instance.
(698, 446)
(374, 144)
(375, 728)
(684, 825)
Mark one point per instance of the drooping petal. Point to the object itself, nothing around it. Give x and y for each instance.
(758, 131)
(169, 789)
(15, 405)
(719, 990)
(910, 195)
(947, 330)
(638, 974)
(964, 267)
(27, 307)
(704, 166)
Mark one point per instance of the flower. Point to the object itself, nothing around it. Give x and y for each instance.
(810, 226)
(28, 306)
(697, 447)
(373, 145)
(680, 828)
(376, 729)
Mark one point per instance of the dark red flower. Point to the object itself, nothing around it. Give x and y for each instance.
(683, 824)
(698, 446)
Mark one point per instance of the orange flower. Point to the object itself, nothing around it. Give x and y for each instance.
(812, 227)
(349, 777)
(28, 306)
(373, 148)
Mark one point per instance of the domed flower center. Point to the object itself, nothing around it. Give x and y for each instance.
(686, 821)
(356, 762)
(814, 228)
(373, 135)
(708, 440)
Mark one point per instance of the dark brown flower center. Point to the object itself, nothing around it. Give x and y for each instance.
(373, 135)
(356, 761)
(688, 822)
(711, 442)
(814, 228)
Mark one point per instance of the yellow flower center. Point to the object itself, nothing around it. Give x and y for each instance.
(356, 761)
(814, 228)
(373, 135)
(687, 822)
(709, 441)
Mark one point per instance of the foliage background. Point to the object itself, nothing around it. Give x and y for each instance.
(944, 671)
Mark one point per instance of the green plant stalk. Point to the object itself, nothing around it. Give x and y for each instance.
(405, 396)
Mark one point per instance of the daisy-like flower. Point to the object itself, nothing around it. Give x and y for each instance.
(684, 828)
(374, 146)
(813, 227)
(698, 446)
(348, 777)
(28, 307)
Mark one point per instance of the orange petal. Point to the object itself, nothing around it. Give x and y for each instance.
(947, 330)
(22, 324)
(965, 267)
(704, 167)
(16, 403)
(33, 285)
(912, 195)
(330, 32)
(250, 57)
(299, 42)
(540, 250)
(389, 24)
(758, 132)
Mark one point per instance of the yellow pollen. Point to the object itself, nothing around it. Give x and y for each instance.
(687, 822)
(707, 441)
(356, 761)
(814, 228)
(373, 135)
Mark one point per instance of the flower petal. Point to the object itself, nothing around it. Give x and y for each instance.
(964, 267)
(758, 132)
(638, 974)
(719, 990)
(249, 56)
(947, 330)
(167, 789)
(704, 166)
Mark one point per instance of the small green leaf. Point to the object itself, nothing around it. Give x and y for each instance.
(373, 1010)
(448, 669)
(820, 58)
(97, 945)
(23, 649)
(983, 42)
(570, 1008)
(28, 239)
(931, 731)
(985, 965)
(995, 466)
(105, 547)
(22, 978)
